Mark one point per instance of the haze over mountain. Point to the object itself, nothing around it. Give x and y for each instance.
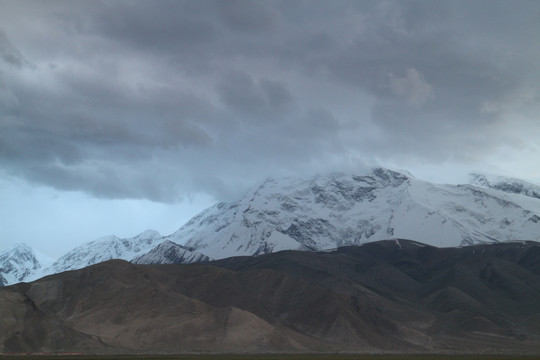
(318, 213)
(395, 295)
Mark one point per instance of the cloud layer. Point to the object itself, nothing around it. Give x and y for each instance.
(155, 100)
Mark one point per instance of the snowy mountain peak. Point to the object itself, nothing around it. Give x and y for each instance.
(17, 263)
(30, 265)
(21, 248)
(508, 185)
(107, 248)
(479, 180)
(325, 212)
(149, 234)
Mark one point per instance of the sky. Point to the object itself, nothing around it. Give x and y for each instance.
(120, 116)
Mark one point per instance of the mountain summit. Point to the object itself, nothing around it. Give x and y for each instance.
(326, 212)
(20, 262)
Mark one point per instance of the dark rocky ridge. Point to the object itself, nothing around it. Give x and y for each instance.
(394, 295)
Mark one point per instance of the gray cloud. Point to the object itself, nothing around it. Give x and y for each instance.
(258, 100)
(412, 87)
(247, 16)
(159, 99)
(9, 53)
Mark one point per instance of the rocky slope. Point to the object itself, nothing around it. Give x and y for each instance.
(396, 295)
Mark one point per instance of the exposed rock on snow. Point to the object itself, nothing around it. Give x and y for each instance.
(170, 253)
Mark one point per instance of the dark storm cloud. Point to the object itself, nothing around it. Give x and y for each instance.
(141, 99)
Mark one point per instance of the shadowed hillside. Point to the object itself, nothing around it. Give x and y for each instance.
(394, 295)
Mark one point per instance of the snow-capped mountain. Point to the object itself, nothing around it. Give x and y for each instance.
(107, 248)
(318, 213)
(170, 253)
(20, 262)
(326, 212)
(508, 185)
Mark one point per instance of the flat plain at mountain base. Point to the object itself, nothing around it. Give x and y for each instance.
(275, 357)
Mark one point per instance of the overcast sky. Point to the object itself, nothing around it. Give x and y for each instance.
(118, 116)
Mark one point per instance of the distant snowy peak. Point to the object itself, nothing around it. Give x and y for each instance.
(17, 263)
(107, 248)
(170, 253)
(21, 263)
(325, 212)
(508, 185)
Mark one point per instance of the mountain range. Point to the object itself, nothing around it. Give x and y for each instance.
(317, 213)
(384, 296)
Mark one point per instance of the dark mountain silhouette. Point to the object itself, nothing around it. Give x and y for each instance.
(393, 295)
